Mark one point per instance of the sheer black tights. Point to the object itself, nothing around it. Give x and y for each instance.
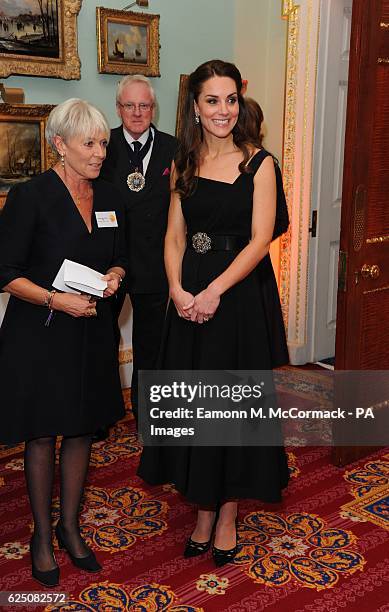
(39, 463)
(39, 460)
(74, 462)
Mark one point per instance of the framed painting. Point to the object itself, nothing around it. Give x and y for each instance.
(23, 148)
(182, 91)
(127, 42)
(39, 38)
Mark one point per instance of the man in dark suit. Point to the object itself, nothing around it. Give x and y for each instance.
(138, 162)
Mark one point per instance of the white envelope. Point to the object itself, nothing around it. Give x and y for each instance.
(73, 277)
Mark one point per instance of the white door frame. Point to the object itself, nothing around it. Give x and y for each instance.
(300, 97)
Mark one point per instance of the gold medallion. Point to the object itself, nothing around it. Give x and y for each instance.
(136, 181)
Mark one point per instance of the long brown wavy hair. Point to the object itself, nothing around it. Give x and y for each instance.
(254, 120)
(187, 160)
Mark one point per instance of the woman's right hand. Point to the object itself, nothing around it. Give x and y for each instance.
(182, 299)
(73, 304)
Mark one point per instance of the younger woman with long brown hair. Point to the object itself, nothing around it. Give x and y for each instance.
(221, 223)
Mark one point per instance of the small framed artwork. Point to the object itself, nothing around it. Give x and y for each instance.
(182, 92)
(39, 38)
(23, 148)
(127, 42)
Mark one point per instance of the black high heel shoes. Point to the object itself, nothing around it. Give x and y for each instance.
(194, 549)
(88, 563)
(221, 557)
(50, 578)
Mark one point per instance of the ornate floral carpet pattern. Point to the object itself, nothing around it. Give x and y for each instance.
(324, 549)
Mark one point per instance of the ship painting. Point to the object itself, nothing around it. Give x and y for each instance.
(118, 50)
(127, 43)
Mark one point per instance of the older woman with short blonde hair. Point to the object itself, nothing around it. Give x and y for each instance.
(70, 385)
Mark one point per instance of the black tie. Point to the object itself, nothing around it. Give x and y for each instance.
(137, 158)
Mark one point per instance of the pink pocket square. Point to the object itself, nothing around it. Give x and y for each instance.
(166, 172)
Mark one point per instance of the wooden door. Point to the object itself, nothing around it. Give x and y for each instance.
(362, 338)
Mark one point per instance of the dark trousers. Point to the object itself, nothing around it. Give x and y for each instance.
(148, 315)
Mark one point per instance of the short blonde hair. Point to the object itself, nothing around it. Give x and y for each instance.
(129, 79)
(75, 117)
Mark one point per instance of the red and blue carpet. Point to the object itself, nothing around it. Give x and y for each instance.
(325, 548)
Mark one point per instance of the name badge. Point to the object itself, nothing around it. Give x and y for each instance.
(106, 218)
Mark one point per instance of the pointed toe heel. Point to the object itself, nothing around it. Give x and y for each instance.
(88, 563)
(194, 549)
(50, 578)
(221, 557)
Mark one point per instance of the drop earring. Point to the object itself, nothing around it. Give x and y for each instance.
(197, 119)
(62, 158)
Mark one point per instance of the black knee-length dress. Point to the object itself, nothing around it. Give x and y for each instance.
(64, 378)
(246, 333)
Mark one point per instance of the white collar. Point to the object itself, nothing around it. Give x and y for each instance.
(142, 139)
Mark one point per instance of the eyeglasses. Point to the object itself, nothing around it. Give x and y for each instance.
(130, 107)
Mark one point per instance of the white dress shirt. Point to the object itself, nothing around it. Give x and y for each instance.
(142, 139)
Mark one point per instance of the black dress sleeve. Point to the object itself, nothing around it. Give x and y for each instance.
(281, 223)
(120, 252)
(18, 221)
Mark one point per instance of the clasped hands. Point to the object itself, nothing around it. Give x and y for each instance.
(198, 308)
(113, 283)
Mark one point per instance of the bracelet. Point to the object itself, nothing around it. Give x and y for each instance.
(47, 298)
(50, 304)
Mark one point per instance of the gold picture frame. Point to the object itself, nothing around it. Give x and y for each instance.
(24, 151)
(127, 42)
(41, 43)
(182, 93)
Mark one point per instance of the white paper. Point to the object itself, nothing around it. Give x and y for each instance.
(73, 277)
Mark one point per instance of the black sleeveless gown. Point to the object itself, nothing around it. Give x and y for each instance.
(246, 333)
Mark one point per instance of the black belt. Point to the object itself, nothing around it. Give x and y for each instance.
(202, 242)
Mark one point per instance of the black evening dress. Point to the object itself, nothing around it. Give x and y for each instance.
(62, 379)
(246, 333)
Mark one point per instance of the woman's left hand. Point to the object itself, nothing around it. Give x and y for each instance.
(113, 283)
(205, 305)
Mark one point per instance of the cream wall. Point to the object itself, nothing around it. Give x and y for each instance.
(191, 32)
(249, 32)
(260, 53)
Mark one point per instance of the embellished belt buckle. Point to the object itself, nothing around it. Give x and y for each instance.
(201, 242)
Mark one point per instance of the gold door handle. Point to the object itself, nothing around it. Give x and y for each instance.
(370, 271)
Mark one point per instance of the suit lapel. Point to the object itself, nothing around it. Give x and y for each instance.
(123, 157)
(155, 169)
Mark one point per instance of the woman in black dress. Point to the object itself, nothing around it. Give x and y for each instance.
(224, 312)
(70, 384)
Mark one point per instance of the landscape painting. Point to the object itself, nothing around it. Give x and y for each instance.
(30, 28)
(24, 152)
(20, 154)
(39, 38)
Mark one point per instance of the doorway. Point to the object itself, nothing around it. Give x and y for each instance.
(327, 177)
